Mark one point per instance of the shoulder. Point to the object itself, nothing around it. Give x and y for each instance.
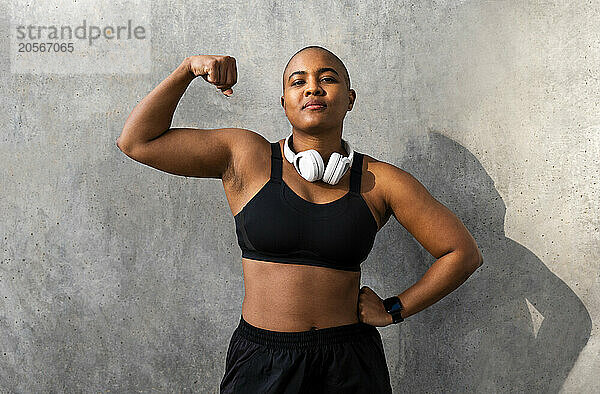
(385, 172)
(396, 187)
(247, 140)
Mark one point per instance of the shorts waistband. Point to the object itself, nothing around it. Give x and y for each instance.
(301, 339)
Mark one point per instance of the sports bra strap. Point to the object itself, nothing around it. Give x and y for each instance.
(276, 162)
(355, 174)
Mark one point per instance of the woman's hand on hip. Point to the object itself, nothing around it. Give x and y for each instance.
(371, 309)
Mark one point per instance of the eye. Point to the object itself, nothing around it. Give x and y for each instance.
(324, 78)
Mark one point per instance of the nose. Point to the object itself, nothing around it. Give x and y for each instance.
(313, 87)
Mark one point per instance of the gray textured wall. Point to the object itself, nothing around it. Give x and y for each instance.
(117, 277)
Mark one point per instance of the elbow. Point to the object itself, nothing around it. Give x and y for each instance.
(475, 261)
(122, 146)
(470, 260)
(479, 257)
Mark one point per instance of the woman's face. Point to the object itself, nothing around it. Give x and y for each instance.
(315, 75)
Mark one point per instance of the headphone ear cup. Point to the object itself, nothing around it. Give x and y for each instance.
(309, 165)
(342, 168)
(332, 171)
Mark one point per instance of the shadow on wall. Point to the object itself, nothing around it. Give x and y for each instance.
(512, 326)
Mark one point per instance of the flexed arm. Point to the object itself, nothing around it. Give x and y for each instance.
(148, 138)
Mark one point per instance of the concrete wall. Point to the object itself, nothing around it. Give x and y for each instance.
(117, 277)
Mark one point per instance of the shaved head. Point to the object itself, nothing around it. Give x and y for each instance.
(329, 53)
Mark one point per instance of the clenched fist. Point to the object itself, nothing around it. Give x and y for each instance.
(371, 309)
(221, 71)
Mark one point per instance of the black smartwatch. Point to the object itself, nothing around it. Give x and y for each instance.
(393, 306)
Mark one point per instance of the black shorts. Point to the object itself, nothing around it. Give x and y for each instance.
(342, 359)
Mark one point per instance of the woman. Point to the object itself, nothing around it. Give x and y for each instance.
(307, 209)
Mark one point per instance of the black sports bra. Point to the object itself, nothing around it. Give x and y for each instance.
(277, 225)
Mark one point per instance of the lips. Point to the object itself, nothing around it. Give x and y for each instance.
(315, 104)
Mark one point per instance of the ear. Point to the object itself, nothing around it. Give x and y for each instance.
(351, 99)
(282, 102)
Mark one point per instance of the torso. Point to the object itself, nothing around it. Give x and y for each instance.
(287, 297)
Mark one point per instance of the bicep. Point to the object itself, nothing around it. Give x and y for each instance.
(203, 153)
(431, 223)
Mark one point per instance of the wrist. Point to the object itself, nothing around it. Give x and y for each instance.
(185, 67)
(394, 307)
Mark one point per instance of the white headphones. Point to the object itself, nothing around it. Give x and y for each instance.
(312, 167)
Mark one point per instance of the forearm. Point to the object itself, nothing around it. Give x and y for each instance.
(153, 115)
(445, 275)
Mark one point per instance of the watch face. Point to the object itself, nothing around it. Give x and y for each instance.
(392, 304)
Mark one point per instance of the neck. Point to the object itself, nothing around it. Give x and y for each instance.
(325, 145)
